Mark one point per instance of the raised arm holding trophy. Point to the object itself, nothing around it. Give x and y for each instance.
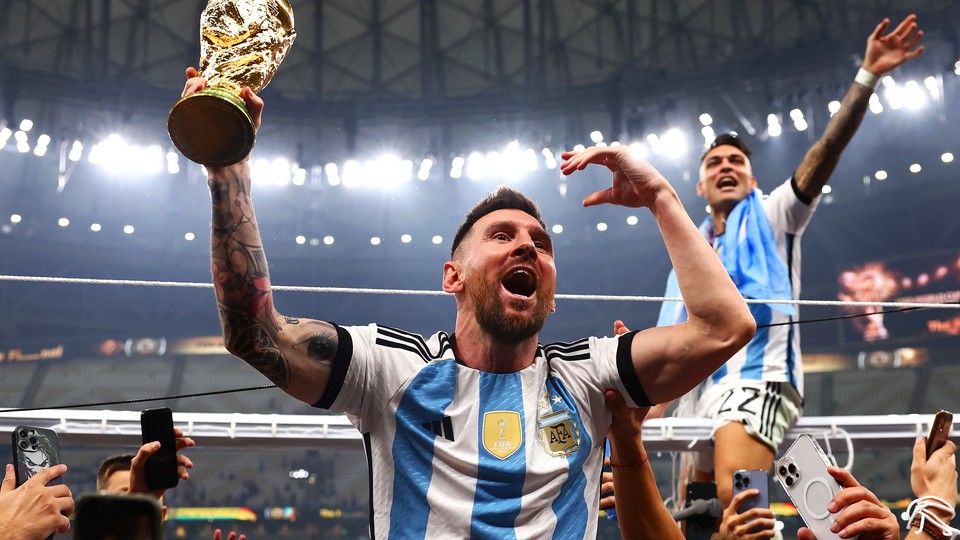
(242, 42)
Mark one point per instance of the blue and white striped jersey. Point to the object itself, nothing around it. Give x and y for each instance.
(459, 453)
(773, 354)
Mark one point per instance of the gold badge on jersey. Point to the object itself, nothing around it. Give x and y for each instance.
(502, 433)
(558, 433)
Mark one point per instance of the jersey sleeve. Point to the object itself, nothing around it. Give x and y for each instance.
(604, 363)
(363, 380)
(788, 210)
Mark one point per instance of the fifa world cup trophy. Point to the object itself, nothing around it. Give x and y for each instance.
(242, 42)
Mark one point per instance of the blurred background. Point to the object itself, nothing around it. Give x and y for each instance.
(385, 123)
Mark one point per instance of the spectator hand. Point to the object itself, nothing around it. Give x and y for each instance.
(886, 52)
(936, 476)
(34, 510)
(635, 182)
(231, 536)
(138, 478)
(858, 512)
(735, 525)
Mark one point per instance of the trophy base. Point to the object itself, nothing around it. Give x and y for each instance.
(212, 127)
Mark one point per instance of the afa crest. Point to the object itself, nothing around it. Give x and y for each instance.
(559, 433)
(502, 433)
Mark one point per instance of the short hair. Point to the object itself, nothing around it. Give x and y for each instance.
(504, 198)
(727, 139)
(120, 462)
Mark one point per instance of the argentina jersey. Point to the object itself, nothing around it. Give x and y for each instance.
(773, 354)
(459, 453)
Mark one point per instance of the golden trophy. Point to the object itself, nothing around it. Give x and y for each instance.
(242, 42)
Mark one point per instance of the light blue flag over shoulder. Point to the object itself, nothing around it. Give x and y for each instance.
(748, 251)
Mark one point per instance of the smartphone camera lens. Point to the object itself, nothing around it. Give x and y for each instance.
(782, 470)
(746, 481)
(788, 480)
(22, 433)
(792, 468)
(33, 440)
(23, 445)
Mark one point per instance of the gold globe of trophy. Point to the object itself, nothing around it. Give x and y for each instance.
(242, 42)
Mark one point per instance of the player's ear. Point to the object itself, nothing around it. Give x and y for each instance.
(452, 277)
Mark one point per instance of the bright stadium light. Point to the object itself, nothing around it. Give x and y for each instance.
(833, 107)
(26, 124)
(352, 170)
(456, 167)
(16, 218)
(894, 95)
(706, 119)
(476, 166)
(933, 85)
(708, 134)
(425, 165)
(128, 229)
(796, 115)
(579, 148)
(654, 141)
(875, 106)
(596, 136)
(826, 189)
(189, 237)
(437, 239)
(915, 168)
(773, 125)
(914, 97)
(333, 173)
(947, 157)
(300, 239)
(549, 160)
(557, 229)
(76, 151)
(328, 240)
(5, 135)
(406, 238)
(632, 220)
(639, 150)
(880, 175)
(601, 226)
(375, 240)
(299, 176)
(63, 222)
(96, 227)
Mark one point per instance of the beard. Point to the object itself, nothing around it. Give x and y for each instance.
(492, 315)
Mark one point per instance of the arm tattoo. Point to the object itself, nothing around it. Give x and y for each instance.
(822, 158)
(247, 339)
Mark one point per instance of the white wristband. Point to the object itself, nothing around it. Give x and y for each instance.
(867, 79)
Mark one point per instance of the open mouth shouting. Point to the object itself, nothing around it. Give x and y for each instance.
(520, 282)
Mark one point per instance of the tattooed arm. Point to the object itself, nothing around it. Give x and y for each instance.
(884, 52)
(295, 354)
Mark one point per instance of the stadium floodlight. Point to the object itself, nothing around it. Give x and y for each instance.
(456, 167)
(299, 176)
(5, 135)
(579, 148)
(801, 125)
(557, 228)
(933, 85)
(875, 106)
(632, 220)
(41, 148)
(773, 125)
(708, 134)
(300, 239)
(639, 150)
(63, 222)
(76, 151)
(596, 136)
(328, 240)
(880, 175)
(352, 171)
(189, 237)
(833, 107)
(476, 166)
(96, 227)
(826, 189)
(333, 174)
(915, 168)
(796, 115)
(946, 157)
(674, 143)
(406, 238)
(128, 229)
(16, 218)
(913, 96)
(549, 160)
(425, 165)
(437, 239)
(706, 119)
(26, 124)
(894, 95)
(601, 226)
(654, 141)
(375, 240)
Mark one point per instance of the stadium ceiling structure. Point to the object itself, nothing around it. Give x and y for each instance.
(439, 62)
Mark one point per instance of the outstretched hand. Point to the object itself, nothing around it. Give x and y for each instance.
(34, 510)
(886, 52)
(858, 512)
(254, 104)
(138, 477)
(635, 182)
(749, 525)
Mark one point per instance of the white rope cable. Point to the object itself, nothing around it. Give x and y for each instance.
(424, 292)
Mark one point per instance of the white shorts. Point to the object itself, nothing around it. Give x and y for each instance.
(767, 410)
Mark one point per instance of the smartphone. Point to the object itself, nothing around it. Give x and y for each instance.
(161, 467)
(611, 513)
(102, 516)
(34, 449)
(700, 527)
(802, 471)
(744, 480)
(939, 431)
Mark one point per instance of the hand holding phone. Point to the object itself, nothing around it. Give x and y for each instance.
(160, 470)
(744, 480)
(802, 471)
(34, 449)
